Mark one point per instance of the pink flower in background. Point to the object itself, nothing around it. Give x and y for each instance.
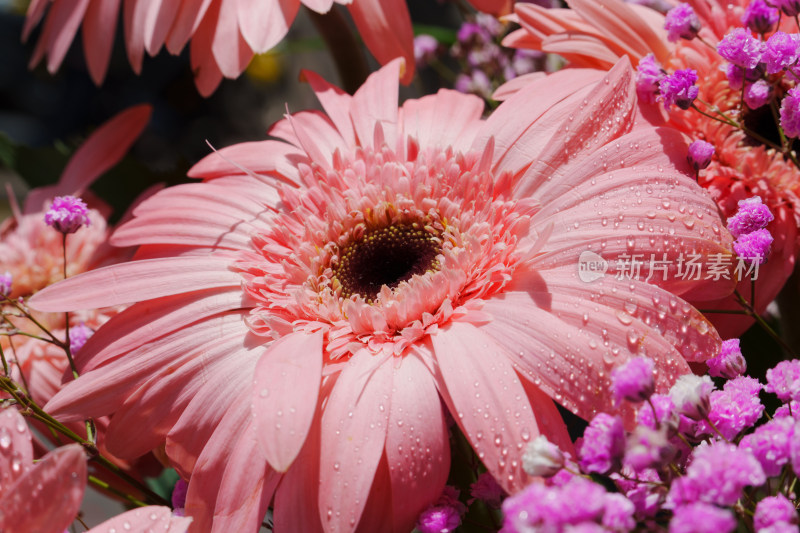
(224, 34)
(595, 33)
(46, 496)
(300, 318)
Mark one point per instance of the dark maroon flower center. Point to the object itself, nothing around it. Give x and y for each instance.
(385, 256)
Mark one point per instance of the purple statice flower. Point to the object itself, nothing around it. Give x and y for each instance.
(425, 47)
(691, 395)
(477, 82)
(734, 408)
(542, 458)
(524, 62)
(470, 32)
(784, 380)
(679, 88)
(757, 94)
(536, 506)
(648, 75)
(700, 154)
(603, 445)
(648, 448)
(681, 22)
(443, 516)
(740, 48)
(790, 112)
(618, 513)
(790, 8)
(68, 214)
(760, 17)
(78, 337)
(774, 509)
(486, 489)
(735, 76)
(769, 443)
(179, 497)
(633, 381)
(790, 409)
(752, 215)
(781, 51)
(644, 490)
(753, 247)
(794, 447)
(439, 519)
(5, 284)
(717, 474)
(592, 497)
(702, 518)
(729, 362)
(665, 414)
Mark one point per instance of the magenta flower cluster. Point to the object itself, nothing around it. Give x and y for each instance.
(698, 460)
(748, 226)
(67, 214)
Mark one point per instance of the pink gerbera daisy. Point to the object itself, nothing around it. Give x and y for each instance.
(595, 33)
(224, 34)
(305, 314)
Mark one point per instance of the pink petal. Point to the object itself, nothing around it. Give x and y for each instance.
(376, 102)
(320, 6)
(134, 13)
(207, 74)
(160, 402)
(158, 23)
(315, 133)
(354, 433)
(611, 103)
(374, 519)
(59, 31)
(265, 24)
(150, 518)
(262, 157)
(442, 119)
(148, 320)
(417, 443)
(509, 88)
(99, 26)
(16, 450)
(48, 496)
(385, 26)
(284, 395)
(32, 17)
(548, 418)
(100, 391)
(230, 50)
(335, 102)
(486, 398)
(187, 19)
(136, 281)
(575, 47)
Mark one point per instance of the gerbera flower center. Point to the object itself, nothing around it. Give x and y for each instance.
(385, 256)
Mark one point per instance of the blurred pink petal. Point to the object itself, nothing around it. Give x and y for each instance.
(151, 518)
(270, 261)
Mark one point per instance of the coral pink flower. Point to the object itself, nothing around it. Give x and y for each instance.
(595, 33)
(46, 496)
(224, 34)
(301, 317)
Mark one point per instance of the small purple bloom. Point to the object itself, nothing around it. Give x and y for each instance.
(784, 380)
(476, 83)
(760, 17)
(691, 395)
(648, 75)
(633, 381)
(179, 494)
(665, 413)
(717, 474)
(769, 443)
(441, 519)
(5, 284)
(648, 448)
(679, 88)
(603, 445)
(773, 509)
(425, 47)
(78, 337)
(790, 112)
(736, 407)
(740, 48)
(702, 518)
(618, 513)
(757, 94)
(68, 214)
(753, 247)
(781, 51)
(752, 215)
(700, 154)
(729, 362)
(681, 22)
